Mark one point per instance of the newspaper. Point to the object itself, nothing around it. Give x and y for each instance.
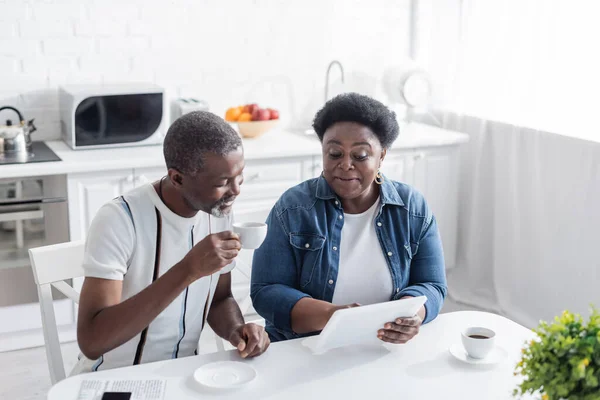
(140, 389)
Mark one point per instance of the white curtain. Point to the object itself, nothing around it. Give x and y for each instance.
(529, 230)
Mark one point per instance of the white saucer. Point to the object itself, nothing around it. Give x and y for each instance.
(225, 374)
(497, 355)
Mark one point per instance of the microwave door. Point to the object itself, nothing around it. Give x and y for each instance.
(91, 119)
(102, 116)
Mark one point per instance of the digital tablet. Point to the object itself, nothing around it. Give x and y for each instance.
(359, 325)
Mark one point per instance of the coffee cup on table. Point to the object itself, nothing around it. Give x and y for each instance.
(478, 341)
(251, 234)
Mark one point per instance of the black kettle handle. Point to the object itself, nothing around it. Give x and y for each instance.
(15, 110)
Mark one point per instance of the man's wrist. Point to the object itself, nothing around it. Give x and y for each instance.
(188, 273)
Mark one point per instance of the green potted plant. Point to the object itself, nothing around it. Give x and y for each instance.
(563, 361)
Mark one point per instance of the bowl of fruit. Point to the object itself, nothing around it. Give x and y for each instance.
(252, 120)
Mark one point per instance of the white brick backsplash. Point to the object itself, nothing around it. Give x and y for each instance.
(19, 48)
(105, 65)
(10, 12)
(81, 77)
(223, 51)
(101, 27)
(8, 66)
(138, 75)
(42, 29)
(8, 29)
(116, 10)
(25, 82)
(145, 28)
(41, 115)
(47, 130)
(129, 45)
(59, 10)
(68, 47)
(11, 98)
(41, 98)
(52, 66)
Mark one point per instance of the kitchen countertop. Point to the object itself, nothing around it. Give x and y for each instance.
(272, 145)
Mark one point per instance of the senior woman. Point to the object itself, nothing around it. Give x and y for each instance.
(350, 237)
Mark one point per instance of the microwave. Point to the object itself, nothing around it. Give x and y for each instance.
(97, 116)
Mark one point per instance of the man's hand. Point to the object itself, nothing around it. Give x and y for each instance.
(251, 340)
(401, 330)
(211, 254)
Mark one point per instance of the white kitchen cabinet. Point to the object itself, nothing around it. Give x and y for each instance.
(264, 182)
(397, 166)
(87, 192)
(147, 175)
(435, 174)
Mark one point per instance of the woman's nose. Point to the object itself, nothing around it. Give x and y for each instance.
(346, 163)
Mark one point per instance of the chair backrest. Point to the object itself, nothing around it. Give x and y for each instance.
(52, 265)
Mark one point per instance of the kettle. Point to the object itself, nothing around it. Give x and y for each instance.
(15, 138)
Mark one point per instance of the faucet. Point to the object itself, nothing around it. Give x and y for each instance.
(331, 64)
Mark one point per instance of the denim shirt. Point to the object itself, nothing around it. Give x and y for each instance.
(299, 257)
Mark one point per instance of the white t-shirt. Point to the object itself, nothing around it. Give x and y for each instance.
(121, 245)
(363, 275)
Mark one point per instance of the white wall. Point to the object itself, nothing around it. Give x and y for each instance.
(224, 51)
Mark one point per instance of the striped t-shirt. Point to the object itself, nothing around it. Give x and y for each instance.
(122, 245)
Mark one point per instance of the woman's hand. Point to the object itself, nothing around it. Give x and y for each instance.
(401, 330)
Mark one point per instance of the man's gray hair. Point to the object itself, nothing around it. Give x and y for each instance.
(193, 135)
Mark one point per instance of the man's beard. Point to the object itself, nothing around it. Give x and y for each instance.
(217, 210)
(214, 210)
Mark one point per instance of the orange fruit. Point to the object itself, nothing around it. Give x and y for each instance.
(245, 117)
(233, 114)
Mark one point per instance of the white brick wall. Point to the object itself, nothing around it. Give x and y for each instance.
(227, 52)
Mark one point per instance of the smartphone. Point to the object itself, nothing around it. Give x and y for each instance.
(116, 396)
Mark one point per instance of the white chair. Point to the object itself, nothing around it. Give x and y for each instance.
(52, 265)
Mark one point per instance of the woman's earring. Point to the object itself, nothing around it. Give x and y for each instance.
(379, 178)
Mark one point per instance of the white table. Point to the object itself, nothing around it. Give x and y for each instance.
(420, 369)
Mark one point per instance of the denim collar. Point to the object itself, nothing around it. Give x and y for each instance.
(388, 195)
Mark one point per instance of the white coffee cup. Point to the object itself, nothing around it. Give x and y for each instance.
(252, 234)
(478, 341)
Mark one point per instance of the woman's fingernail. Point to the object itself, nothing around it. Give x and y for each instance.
(388, 326)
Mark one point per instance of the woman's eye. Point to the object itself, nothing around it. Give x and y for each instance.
(361, 157)
(335, 155)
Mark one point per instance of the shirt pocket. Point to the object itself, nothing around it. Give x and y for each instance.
(309, 246)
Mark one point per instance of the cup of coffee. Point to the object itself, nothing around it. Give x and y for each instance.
(252, 234)
(478, 342)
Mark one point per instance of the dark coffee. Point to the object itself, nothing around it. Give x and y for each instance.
(479, 336)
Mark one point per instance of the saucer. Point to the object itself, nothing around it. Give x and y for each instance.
(225, 375)
(497, 355)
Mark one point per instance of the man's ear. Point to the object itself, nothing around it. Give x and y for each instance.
(175, 177)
